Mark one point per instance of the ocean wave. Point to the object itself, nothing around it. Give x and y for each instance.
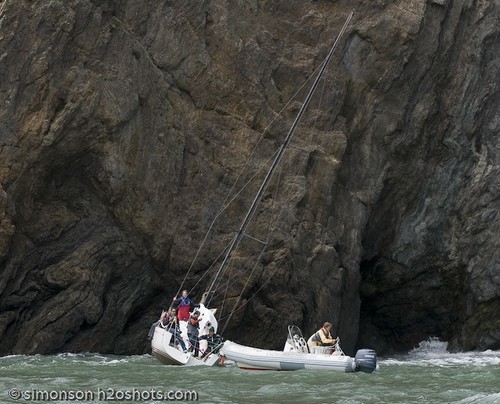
(434, 352)
(481, 398)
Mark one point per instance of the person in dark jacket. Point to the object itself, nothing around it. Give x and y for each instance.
(214, 342)
(193, 330)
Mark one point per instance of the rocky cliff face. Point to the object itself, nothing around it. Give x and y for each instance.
(125, 123)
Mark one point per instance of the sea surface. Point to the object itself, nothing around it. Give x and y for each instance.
(427, 374)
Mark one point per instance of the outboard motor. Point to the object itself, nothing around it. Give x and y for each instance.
(366, 360)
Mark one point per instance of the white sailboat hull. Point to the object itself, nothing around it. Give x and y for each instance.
(170, 355)
(262, 359)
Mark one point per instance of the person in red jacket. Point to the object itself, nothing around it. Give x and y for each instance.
(184, 305)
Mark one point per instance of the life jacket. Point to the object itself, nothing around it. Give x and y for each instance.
(317, 337)
(193, 328)
(183, 309)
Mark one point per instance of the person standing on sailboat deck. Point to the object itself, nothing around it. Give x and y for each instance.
(184, 305)
(171, 325)
(322, 337)
(193, 330)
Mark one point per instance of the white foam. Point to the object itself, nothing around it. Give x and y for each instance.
(434, 352)
(481, 398)
(430, 347)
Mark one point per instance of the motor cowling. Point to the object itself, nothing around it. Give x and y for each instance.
(366, 360)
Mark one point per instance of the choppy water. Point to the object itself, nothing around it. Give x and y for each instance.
(428, 374)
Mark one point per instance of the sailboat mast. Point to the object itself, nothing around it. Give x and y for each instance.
(274, 165)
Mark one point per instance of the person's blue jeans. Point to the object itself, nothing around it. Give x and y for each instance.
(176, 334)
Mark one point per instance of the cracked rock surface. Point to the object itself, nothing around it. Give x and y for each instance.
(124, 125)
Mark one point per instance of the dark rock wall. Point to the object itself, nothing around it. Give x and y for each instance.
(431, 262)
(125, 123)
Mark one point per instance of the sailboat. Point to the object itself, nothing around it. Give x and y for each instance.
(296, 354)
(166, 348)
